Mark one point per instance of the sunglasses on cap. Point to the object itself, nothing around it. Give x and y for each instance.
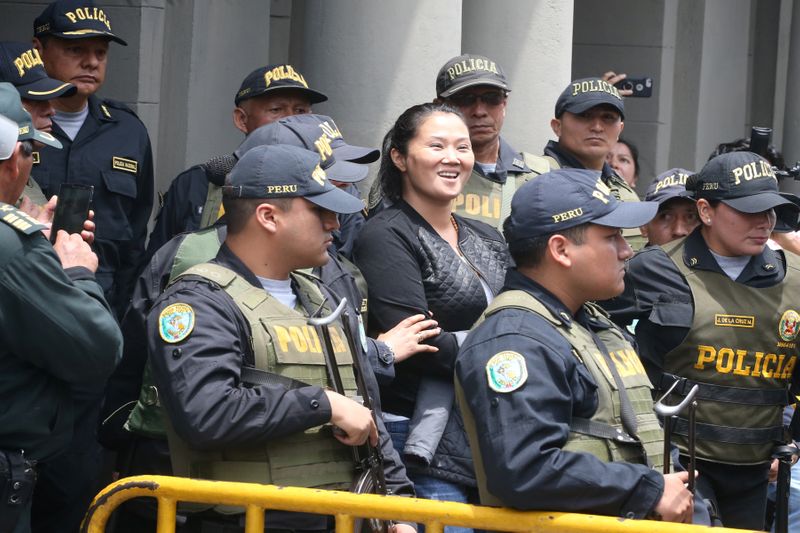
(491, 98)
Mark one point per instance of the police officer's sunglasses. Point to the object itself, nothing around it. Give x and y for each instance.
(491, 98)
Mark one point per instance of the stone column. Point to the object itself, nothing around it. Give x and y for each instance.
(791, 124)
(373, 58)
(532, 40)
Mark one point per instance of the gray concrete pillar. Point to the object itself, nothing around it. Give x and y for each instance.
(791, 120)
(209, 47)
(532, 40)
(373, 58)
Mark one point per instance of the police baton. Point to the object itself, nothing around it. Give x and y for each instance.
(371, 478)
(669, 413)
(784, 455)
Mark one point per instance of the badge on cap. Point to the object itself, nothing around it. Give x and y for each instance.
(176, 322)
(506, 371)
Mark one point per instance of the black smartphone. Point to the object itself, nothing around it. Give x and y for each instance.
(72, 208)
(641, 87)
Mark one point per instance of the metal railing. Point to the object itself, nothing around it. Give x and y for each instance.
(347, 507)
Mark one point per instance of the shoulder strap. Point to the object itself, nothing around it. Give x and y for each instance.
(521, 300)
(19, 220)
(196, 248)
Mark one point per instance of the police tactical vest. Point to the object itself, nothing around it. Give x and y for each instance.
(147, 418)
(488, 201)
(290, 350)
(212, 209)
(622, 191)
(603, 435)
(741, 349)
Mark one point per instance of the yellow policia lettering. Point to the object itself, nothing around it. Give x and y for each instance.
(319, 176)
(593, 86)
(627, 363)
(601, 191)
(737, 361)
(85, 13)
(568, 215)
(323, 145)
(471, 65)
(751, 171)
(28, 59)
(479, 204)
(675, 179)
(304, 339)
(284, 72)
(330, 131)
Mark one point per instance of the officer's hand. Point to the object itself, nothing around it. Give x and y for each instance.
(403, 528)
(773, 470)
(73, 251)
(407, 337)
(614, 78)
(676, 504)
(353, 419)
(88, 228)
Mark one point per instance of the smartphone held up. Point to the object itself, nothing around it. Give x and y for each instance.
(72, 209)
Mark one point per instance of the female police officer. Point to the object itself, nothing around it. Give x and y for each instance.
(715, 309)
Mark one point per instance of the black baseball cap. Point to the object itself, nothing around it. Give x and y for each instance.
(21, 65)
(74, 19)
(298, 130)
(586, 93)
(272, 78)
(283, 171)
(568, 197)
(11, 108)
(469, 70)
(668, 185)
(743, 180)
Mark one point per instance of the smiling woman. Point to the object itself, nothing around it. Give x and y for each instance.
(418, 257)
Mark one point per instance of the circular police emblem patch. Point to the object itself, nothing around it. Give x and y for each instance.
(176, 322)
(506, 371)
(787, 327)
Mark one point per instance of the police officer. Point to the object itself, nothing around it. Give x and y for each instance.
(477, 86)
(246, 310)
(589, 118)
(267, 94)
(677, 214)
(105, 144)
(56, 329)
(556, 403)
(718, 309)
(21, 65)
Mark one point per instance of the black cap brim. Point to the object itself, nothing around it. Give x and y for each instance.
(346, 172)
(472, 83)
(356, 154)
(757, 203)
(338, 201)
(593, 102)
(46, 89)
(628, 215)
(87, 34)
(315, 97)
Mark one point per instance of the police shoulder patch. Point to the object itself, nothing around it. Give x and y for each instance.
(176, 322)
(506, 371)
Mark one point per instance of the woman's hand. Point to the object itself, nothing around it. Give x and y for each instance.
(407, 337)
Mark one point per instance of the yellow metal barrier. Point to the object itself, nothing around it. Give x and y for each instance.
(346, 507)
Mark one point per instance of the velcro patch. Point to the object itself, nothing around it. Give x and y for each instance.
(125, 165)
(176, 322)
(506, 371)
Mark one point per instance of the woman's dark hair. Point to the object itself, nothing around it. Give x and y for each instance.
(398, 137)
(634, 154)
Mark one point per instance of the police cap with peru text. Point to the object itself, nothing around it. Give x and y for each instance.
(743, 180)
(21, 65)
(283, 171)
(11, 108)
(312, 132)
(74, 19)
(668, 185)
(275, 77)
(565, 198)
(469, 70)
(584, 94)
